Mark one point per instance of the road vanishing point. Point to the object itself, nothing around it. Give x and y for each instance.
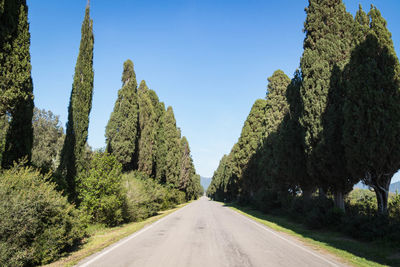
(207, 233)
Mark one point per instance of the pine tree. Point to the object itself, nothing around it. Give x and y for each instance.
(327, 45)
(72, 156)
(122, 127)
(372, 107)
(16, 86)
(147, 130)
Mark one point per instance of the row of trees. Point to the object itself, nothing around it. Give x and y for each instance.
(337, 122)
(143, 136)
(54, 180)
(141, 133)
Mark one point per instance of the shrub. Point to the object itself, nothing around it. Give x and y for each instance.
(100, 190)
(394, 208)
(37, 224)
(145, 197)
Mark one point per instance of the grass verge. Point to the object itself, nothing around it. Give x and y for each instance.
(350, 251)
(101, 237)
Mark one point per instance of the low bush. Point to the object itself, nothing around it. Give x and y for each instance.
(145, 197)
(37, 224)
(100, 190)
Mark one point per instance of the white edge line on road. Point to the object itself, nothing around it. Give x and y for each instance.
(120, 243)
(266, 228)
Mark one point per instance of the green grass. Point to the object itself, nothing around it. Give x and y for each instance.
(350, 251)
(101, 237)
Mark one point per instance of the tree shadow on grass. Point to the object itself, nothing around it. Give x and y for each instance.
(380, 252)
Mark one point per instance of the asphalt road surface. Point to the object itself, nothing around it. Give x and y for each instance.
(205, 233)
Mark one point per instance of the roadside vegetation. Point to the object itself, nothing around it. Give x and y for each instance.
(345, 248)
(56, 193)
(99, 236)
(334, 124)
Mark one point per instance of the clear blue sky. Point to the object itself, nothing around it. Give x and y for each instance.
(208, 59)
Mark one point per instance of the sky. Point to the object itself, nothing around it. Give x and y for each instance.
(208, 59)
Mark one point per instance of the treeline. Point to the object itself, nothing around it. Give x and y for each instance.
(52, 184)
(143, 136)
(337, 122)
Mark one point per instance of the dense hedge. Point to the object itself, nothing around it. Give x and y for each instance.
(37, 224)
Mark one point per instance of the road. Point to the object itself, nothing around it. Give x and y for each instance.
(206, 233)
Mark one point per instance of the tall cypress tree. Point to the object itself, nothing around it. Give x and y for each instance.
(147, 130)
(243, 151)
(72, 155)
(15, 66)
(327, 45)
(122, 127)
(16, 86)
(372, 107)
(187, 171)
(161, 148)
(291, 153)
(173, 148)
(275, 111)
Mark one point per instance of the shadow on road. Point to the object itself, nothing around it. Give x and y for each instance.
(378, 252)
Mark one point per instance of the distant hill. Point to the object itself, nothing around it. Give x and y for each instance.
(205, 182)
(393, 187)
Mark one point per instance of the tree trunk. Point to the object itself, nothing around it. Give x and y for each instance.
(339, 200)
(321, 192)
(380, 184)
(307, 193)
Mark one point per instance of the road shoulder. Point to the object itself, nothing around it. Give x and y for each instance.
(106, 237)
(319, 246)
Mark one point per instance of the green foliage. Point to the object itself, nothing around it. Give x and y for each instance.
(145, 196)
(15, 67)
(327, 46)
(4, 124)
(16, 88)
(100, 190)
(223, 184)
(173, 149)
(122, 128)
(250, 139)
(72, 155)
(37, 223)
(372, 107)
(290, 150)
(48, 138)
(276, 109)
(147, 129)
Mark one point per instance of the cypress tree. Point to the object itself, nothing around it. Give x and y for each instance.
(187, 171)
(275, 110)
(223, 185)
(247, 145)
(15, 67)
(161, 148)
(122, 127)
(372, 107)
(327, 45)
(173, 149)
(16, 86)
(147, 130)
(290, 153)
(72, 156)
